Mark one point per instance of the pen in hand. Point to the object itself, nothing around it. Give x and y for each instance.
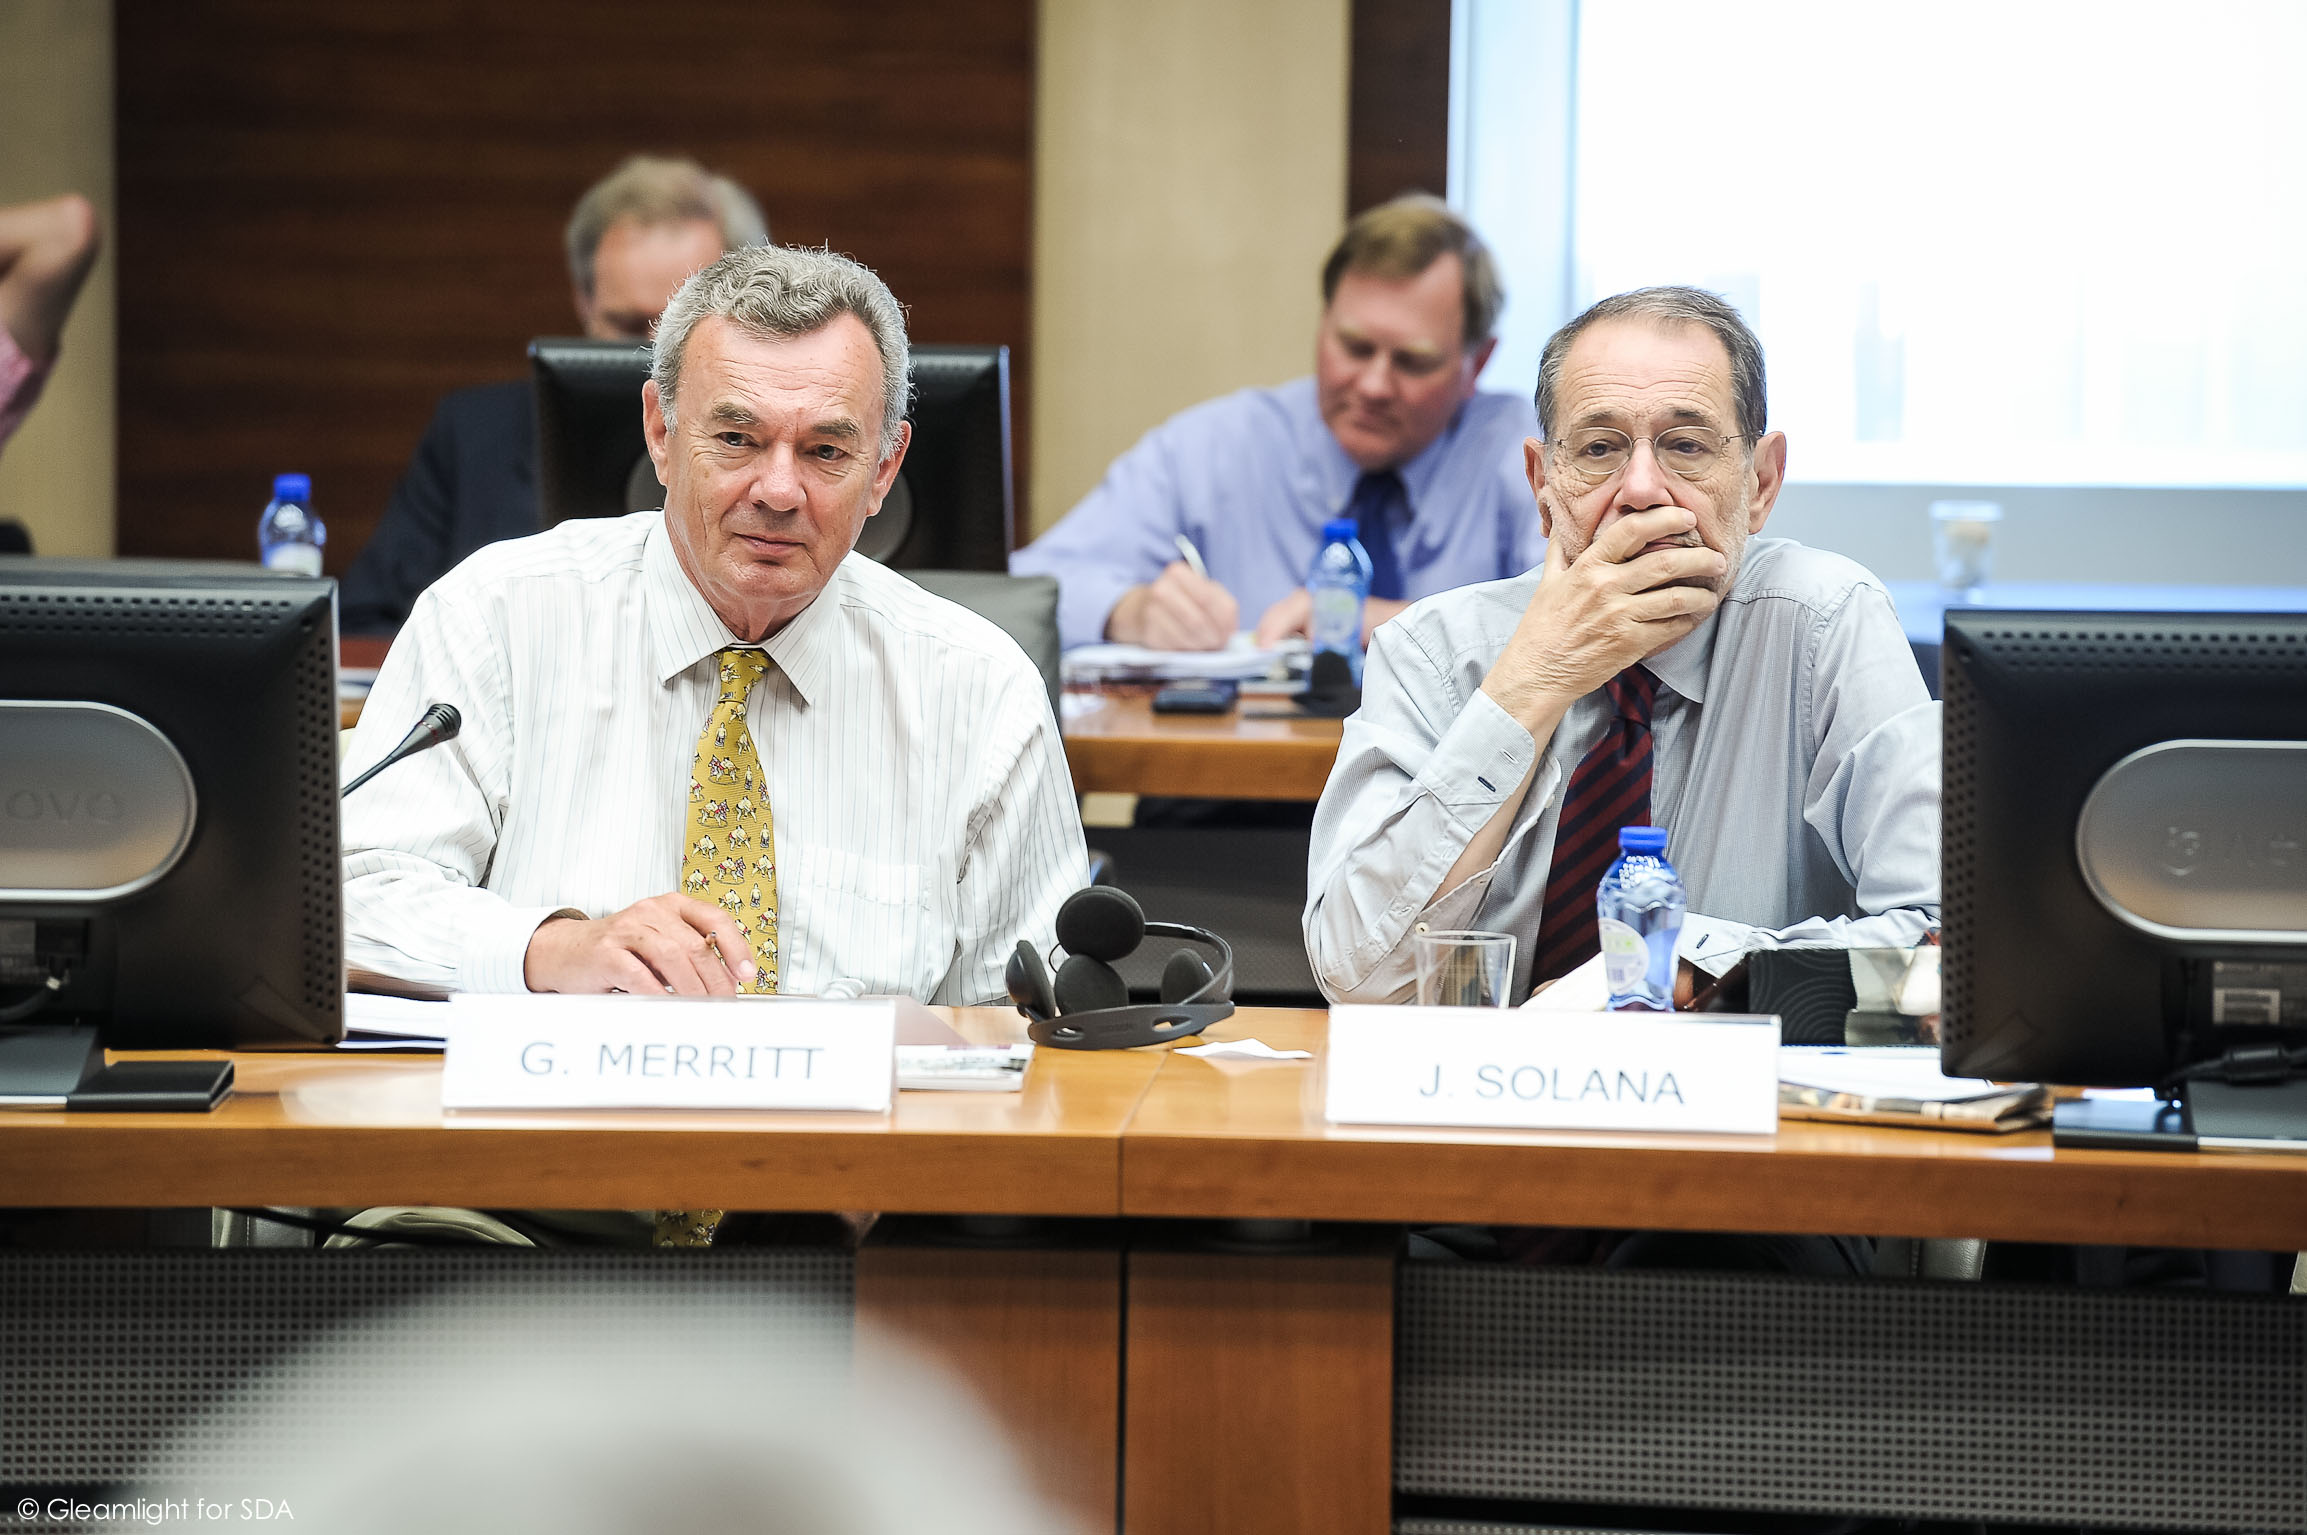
(1192, 557)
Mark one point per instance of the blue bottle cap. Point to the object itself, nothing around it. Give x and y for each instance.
(1340, 528)
(292, 487)
(1642, 839)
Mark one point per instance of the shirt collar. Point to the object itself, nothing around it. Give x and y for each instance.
(804, 649)
(1684, 664)
(684, 629)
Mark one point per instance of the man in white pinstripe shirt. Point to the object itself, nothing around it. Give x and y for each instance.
(924, 817)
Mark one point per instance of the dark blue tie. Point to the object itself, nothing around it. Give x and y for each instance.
(1377, 496)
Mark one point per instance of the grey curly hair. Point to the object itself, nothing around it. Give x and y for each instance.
(777, 291)
(1668, 306)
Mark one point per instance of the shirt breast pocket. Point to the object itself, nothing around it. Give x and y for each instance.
(839, 916)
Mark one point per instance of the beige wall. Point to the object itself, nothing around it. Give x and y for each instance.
(56, 473)
(1190, 175)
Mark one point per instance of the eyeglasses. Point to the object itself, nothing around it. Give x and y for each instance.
(1593, 454)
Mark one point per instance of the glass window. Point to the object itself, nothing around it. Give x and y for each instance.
(1984, 242)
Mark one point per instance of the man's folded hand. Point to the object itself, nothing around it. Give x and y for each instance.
(1639, 587)
(667, 943)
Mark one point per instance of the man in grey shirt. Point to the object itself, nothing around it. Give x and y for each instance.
(1758, 700)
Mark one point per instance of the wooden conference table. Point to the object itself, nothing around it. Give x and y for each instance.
(1125, 1133)
(1299, 1347)
(1260, 749)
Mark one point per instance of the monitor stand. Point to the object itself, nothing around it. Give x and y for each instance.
(42, 1065)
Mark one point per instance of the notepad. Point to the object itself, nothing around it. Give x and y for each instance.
(1900, 1085)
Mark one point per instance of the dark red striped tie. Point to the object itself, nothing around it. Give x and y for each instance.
(1610, 789)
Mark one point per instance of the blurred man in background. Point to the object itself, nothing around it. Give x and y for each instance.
(633, 240)
(1390, 432)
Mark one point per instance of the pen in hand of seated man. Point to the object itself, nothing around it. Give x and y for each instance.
(673, 943)
(1179, 610)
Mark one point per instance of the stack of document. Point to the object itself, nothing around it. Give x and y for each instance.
(353, 683)
(393, 1023)
(1901, 1085)
(1238, 662)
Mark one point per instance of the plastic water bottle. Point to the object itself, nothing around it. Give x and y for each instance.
(1638, 908)
(1339, 585)
(288, 535)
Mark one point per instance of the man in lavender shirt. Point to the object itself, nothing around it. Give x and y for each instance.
(1390, 431)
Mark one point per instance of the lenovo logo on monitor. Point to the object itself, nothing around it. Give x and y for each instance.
(95, 803)
(60, 804)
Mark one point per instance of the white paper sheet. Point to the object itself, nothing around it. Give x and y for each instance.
(1240, 659)
(1244, 1049)
(1885, 1072)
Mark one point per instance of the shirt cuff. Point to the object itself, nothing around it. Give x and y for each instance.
(1713, 944)
(1478, 763)
(497, 950)
(1475, 767)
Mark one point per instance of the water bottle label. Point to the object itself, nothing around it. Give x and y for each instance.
(293, 559)
(1336, 610)
(1625, 957)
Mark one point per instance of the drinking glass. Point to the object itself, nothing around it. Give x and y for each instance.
(1963, 541)
(1464, 969)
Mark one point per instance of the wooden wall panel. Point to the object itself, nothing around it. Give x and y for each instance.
(1399, 110)
(329, 215)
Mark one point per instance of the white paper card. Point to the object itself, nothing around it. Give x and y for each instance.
(551, 1052)
(1512, 1069)
(1243, 1049)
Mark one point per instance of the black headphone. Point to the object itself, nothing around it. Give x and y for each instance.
(1088, 1008)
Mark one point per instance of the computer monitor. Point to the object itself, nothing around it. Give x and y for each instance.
(951, 509)
(2125, 854)
(170, 871)
(591, 461)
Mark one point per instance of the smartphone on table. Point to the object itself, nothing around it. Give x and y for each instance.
(1209, 697)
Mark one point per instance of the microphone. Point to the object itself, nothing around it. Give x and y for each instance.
(441, 723)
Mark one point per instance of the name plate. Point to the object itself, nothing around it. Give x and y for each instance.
(1517, 1069)
(549, 1052)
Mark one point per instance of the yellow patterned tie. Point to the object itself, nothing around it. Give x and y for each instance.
(730, 859)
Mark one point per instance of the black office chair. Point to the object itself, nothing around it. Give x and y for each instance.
(1024, 607)
(15, 538)
(950, 509)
